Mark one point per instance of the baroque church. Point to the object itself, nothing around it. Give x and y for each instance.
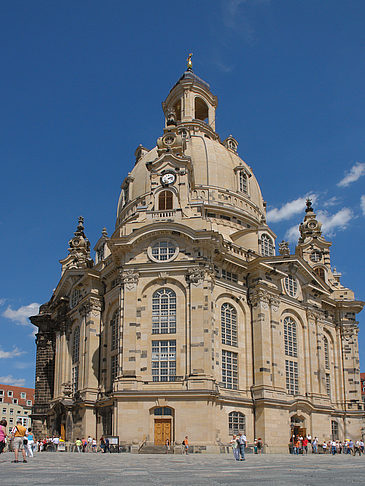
(191, 320)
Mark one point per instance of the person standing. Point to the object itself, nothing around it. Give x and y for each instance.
(3, 425)
(242, 441)
(235, 447)
(305, 445)
(18, 435)
(260, 445)
(315, 445)
(78, 445)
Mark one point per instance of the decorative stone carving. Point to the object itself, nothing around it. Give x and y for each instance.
(275, 303)
(67, 389)
(260, 297)
(79, 250)
(130, 279)
(92, 306)
(284, 248)
(197, 274)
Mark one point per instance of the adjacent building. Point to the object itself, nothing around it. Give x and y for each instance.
(191, 320)
(16, 403)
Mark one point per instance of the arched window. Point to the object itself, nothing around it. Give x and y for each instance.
(229, 324)
(201, 109)
(267, 246)
(290, 337)
(326, 353)
(165, 200)
(164, 311)
(236, 423)
(335, 430)
(243, 182)
(320, 272)
(114, 332)
(291, 285)
(291, 349)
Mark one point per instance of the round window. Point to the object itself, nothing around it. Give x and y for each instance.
(163, 251)
(291, 285)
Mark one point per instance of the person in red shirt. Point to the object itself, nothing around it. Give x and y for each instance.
(305, 445)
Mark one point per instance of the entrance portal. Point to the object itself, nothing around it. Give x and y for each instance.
(162, 431)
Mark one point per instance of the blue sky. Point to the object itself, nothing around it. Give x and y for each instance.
(81, 87)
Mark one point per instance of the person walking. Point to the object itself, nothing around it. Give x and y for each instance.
(167, 446)
(18, 435)
(260, 445)
(185, 444)
(242, 441)
(29, 446)
(3, 425)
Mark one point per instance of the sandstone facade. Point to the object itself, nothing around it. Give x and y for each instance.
(189, 322)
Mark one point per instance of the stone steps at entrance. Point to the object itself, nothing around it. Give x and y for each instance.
(153, 449)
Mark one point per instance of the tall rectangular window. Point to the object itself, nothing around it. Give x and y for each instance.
(328, 384)
(164, 311)
(292, 379)
(229, 369)
(75, 378)
(113, 367)
(164, 360)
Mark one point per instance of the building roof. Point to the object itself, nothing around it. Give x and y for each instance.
(17, 390)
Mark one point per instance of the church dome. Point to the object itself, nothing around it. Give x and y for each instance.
(204, 170)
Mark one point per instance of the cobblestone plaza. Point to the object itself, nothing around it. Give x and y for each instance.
(193, 470)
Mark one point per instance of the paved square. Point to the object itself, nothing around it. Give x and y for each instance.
(193, 470)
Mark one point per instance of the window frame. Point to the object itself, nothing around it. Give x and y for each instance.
(164, 311)
(229, 326)
(229, 369)
(163, 360)
(165, 199)
(239, 418)
(267, 247)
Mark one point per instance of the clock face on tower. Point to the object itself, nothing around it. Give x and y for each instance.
(168, 178)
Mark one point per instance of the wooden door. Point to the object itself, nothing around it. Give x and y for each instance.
(162, 431)
(63, 432)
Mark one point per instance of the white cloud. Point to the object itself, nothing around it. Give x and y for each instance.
(353, 175)
(330, 223)
(10, 380)
(292, 234)
(289, 209)
(20, 316)
(10, 354)
(362, 204)
(2, 302)
(332, 201)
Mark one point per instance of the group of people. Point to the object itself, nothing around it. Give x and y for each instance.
(239, 443)
(21, 438)
(301, 445)
(90, 444)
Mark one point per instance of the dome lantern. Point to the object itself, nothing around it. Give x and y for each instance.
(190, 101)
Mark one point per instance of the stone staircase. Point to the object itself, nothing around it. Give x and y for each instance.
(153, 449)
